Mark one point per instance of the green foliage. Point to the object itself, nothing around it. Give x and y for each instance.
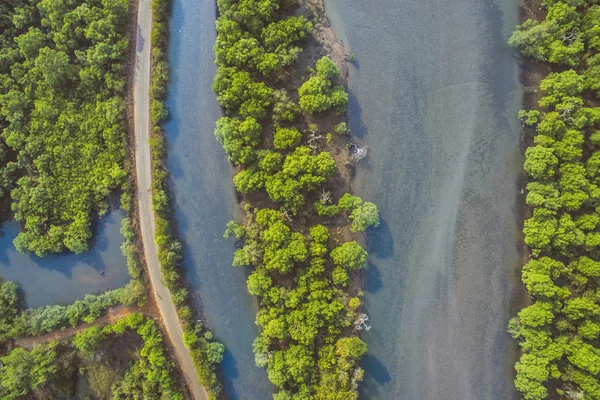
(152, 375)
(319, 93)
(286, 138)
(88, 341)
(304, 314)
(301, 172)
(558, 333)
(349, 255)
(9, 308)
(363, 214)
(342, 129)
(239, 138)
(554, 39)
(23, 371)
(62, 116)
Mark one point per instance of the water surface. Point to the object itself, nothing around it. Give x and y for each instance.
(204, 197)
(65, 278)
(434, 94)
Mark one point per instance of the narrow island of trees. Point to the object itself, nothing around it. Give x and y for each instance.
(558, 333)
(282, 134)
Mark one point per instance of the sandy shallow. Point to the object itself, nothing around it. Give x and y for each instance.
(434, 94)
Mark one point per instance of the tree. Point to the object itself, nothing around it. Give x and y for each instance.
(23, 371)
(319, 93)
(286, 138)
(9, 308)
(350, 347)
(88, 341)
(540, 162)
(239, 138)
(540, 229)
(555, 39)
(349, 255)
(532, 373)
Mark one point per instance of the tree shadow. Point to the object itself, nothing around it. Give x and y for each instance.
(380, 240)
(229, 369)
(373, 282)
(375, 370)
(357, 126)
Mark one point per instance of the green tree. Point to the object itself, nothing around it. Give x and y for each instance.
(349, 255)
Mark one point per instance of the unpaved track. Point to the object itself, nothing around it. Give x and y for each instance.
(147, 225)
(113, 315)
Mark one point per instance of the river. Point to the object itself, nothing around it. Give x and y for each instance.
(64, 278)
(434, 93)
(204, 199)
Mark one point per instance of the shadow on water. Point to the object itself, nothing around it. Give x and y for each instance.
(66, 277)
(373, 279)
(375, 369)
(229, 366)
(380, 240)
(357, 126)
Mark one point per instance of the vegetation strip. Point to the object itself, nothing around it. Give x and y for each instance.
(282, 133)
(205, 351)
(88, 364)
(559, 332)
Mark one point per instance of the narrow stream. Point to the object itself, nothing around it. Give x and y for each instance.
(204, 197)
(434, 93)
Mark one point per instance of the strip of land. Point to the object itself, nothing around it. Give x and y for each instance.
(160, 292)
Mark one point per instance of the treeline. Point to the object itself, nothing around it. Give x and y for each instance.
(205, 351)
(301, 270)
(62, 107)
(54, 370)
(559, 332)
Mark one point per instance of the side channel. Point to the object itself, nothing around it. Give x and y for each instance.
(204, 197)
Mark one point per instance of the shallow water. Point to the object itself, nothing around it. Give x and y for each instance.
(434, 93)
(204, 197)
(64, 278)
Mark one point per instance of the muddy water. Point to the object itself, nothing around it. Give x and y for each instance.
(434, 93)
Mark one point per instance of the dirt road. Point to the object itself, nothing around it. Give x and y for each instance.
(144, 179)
(112, 316)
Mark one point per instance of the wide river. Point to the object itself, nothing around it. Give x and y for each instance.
(434, 94)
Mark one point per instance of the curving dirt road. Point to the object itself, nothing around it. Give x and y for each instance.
(113, 315)
(147, 225)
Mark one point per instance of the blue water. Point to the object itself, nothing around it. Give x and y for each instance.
(434, 93)
(64, 278)
(204, 197)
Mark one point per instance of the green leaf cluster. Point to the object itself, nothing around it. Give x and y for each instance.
(559, 332)
(62, 140)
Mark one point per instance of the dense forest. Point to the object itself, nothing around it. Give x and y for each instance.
(62, 107)
(284, 132)
(125, 360)
(558, 333)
